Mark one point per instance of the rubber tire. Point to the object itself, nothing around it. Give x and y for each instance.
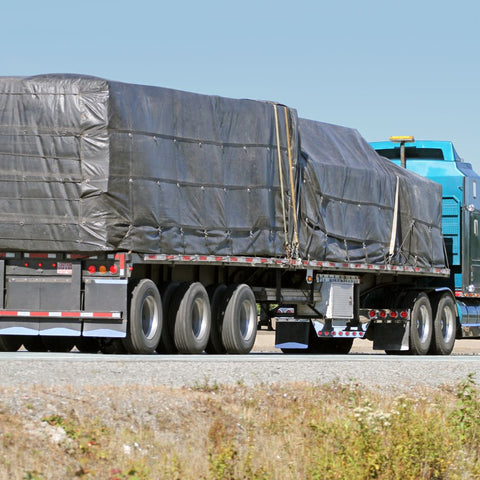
(167, 343)
(216, 293)
(10, 343)
(420, 341)
(444, 326)
(240, 320)
(88, 344)
(145, 320)
(192, 318)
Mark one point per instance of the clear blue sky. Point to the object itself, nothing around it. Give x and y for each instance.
(382, 67)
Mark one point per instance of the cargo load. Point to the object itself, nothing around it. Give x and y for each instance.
(91, 165)
(350, 196)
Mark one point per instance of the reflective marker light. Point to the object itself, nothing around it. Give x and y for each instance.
(102, 269)
(402, 138)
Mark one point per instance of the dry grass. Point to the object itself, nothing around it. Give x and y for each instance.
(284, 431)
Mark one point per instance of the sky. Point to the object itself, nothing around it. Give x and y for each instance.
(382, 67)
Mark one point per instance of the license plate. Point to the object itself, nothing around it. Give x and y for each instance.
(64, 268)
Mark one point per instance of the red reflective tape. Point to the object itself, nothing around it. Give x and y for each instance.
(39, 314)
(186, 257)
(203, 258)
(70, 314)
(249, 260)
(121, 257)
(218, 259)
(36, 255)
(234, 259)
(102, 315)
(8, 313)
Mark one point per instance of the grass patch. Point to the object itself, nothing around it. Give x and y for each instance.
(210, 431)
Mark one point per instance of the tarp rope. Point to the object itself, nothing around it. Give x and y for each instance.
(292, 186)
(280, 172)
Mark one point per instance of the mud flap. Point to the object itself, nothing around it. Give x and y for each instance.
(391, 336)
(292, 334)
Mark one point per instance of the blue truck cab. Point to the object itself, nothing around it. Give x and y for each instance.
(439, 161)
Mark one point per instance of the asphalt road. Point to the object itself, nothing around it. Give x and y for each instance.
(24, 370)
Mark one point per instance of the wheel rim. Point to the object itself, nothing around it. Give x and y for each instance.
(423, 324)
(149, 317)
(247, 319)
(199, 313)
(447, 322)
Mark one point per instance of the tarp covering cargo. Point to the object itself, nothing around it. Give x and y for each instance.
(348, 199)
(90, 165)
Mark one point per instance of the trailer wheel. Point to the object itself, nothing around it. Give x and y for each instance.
(145, 320)
(240, 320)
(192, 318)
(167, 343)
(421, 325)
(444, 326)
(10, 343)
(216, 294)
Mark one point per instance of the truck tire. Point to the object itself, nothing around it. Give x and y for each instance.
(145, 320)
(421, 325)
(10, 343)
(444, 326)
(216, 294)
(167, 343)
(192, 318)
(239, 329)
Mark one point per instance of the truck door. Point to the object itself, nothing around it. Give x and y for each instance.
(471, 236)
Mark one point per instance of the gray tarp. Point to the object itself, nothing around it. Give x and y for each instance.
(90, 165)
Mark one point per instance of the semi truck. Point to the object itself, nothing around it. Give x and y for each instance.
(142, 220)
(440, 162)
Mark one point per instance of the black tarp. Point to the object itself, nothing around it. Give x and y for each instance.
(90, 165)
(348, 197)
(93, 165)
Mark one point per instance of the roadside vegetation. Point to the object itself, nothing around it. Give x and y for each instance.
(210, 431)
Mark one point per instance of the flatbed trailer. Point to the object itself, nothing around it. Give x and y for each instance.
(141, 219)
